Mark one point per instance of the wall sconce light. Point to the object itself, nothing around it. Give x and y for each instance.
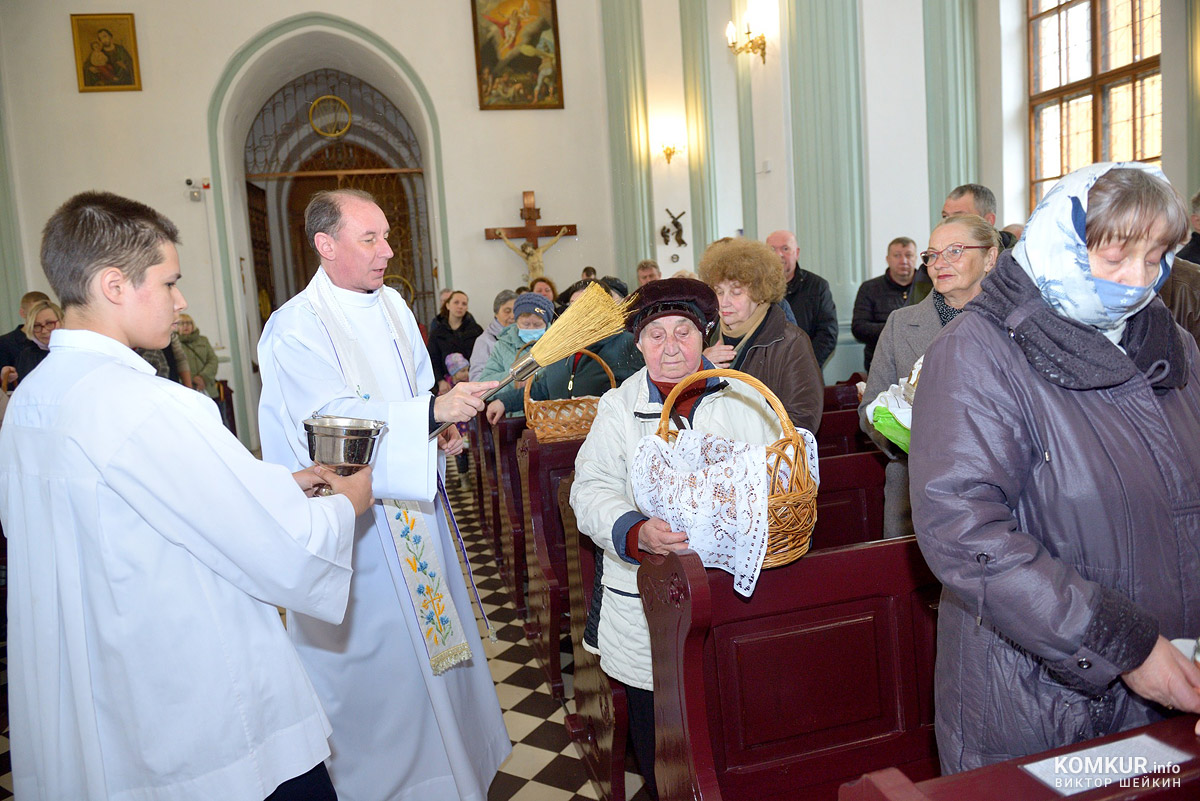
(753, 44)
(669, 152)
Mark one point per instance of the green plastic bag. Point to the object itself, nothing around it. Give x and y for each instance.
(887, 424)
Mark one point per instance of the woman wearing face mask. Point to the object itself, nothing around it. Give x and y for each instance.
(533, 314)
(578, 376)
(1056, 480)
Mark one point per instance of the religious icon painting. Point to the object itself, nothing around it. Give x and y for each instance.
(517, 61)
(106, 58)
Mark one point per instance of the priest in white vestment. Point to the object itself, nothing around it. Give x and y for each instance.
(147, 549)
(412, 718)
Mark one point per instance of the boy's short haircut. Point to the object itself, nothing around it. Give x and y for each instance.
(95, 230)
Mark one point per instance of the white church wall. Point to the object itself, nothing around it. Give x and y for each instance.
(897, 159)
(1003, 105)
(668, 127)
(1175, 97)
(143, 144)
(726, 155)
(772, 153)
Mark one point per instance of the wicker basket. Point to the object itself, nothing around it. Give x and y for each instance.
(791, 505)
(568, 418)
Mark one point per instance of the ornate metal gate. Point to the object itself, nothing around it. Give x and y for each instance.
(327, 129)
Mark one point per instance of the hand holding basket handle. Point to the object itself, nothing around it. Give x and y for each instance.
(792, 505)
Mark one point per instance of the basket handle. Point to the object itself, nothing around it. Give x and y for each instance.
(664, 420)
(612, 379)
(520, 352)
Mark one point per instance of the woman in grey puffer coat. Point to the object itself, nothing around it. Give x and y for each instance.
(1055, 480)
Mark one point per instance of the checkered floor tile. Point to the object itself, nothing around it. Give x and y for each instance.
(544, 765)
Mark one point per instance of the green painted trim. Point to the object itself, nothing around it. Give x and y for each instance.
(822, 47)
(12, 270)
(697, 104)
(216, 103)
(1193, 101)
(628, 134)
(747, 157)
(950, 98)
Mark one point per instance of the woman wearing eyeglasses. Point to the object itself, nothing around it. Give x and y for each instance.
(40, 322)
(962, 250)
(1056, 480)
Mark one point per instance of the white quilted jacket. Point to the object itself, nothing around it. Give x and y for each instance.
(602, 493)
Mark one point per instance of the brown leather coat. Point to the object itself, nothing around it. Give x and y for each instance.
(781, 356)
(1181, 293)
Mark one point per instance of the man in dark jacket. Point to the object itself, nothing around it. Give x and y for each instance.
(809, 296)
(966, 199)
(1181, 293)
(879, 297)
(1191, 251)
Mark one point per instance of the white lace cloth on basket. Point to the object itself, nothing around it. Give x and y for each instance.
(716, 490)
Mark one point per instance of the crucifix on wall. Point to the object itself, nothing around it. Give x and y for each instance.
(529, 251)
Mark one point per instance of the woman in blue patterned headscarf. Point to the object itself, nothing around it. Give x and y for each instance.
(1055, 480)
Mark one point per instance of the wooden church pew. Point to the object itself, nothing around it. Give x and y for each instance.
(1007, 780)
(840, 397)
(505, 436)
(600, 722)
(225, 401)
(850, 499)
(825, 673)
(543, 467)
(839, 434)
(487, 497)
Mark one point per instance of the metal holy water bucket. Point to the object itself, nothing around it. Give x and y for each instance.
(343, 444)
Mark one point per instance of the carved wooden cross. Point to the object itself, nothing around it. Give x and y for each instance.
(530, 230)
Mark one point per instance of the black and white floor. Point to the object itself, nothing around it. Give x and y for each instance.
(544, 765)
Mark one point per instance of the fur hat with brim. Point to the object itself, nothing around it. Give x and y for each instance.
(685, 297)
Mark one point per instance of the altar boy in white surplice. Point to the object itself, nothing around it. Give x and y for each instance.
(147, 549)
(404, 678)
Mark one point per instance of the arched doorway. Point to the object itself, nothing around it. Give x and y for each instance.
(258, 68)
(327, 129)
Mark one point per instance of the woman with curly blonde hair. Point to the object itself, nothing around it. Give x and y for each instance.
(754, 335)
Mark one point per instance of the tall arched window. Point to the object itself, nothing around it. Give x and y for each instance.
(1095, 88)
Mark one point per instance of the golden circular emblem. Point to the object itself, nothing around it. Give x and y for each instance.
(329, 116)
(402, 285)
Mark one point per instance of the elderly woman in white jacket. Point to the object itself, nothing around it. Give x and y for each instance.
(670, 319)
